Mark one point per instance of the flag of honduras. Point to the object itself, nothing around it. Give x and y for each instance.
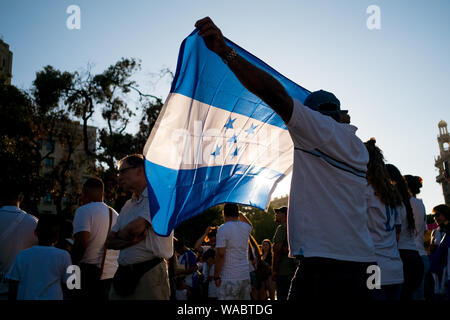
(214, 141)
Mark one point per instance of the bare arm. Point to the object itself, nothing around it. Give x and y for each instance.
(115, 242)
(81, 240)
(257, 81)
(198, 243)
(277, 249)
(398, 229)
(133, 233)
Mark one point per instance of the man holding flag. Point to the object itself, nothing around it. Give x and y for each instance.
(327, 226)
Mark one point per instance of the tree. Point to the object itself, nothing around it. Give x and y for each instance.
(48, 113)
(190, 230)
(19, 159)
(81, 102)
(264, 224)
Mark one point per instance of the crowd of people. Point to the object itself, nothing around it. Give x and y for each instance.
(348, 212)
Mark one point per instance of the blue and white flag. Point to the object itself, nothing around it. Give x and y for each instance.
(214, 141)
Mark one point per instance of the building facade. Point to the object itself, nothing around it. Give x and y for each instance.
(5, 62)
(79, 163)
(442, 162)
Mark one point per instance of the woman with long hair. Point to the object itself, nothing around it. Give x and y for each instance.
(268, 286)
(412, 262)
(418, 208)
(384, 205)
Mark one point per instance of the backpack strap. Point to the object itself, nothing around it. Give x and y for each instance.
(104, 246)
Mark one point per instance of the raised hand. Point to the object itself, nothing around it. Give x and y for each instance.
(212, 36)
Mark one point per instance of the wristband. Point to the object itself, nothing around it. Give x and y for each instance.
(230, 56)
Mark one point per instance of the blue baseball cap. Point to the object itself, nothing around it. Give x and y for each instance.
(323, 101)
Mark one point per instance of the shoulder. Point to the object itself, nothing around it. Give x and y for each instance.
(27, 253)
(280, 232)
(245, 225)
(83, 211)
(29, 218)
(60, 253)
(304, 115)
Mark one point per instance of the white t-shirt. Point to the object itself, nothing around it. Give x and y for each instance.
(233, 236)
(181, 294)
(183, 260)
(420, 222)
(41, 272)
(153, 245)
(381, 222)
(94, 218)
(20, 237)
(406, 239)
(212, 288)
(327, 209)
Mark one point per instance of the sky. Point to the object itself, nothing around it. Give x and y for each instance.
(394, 79)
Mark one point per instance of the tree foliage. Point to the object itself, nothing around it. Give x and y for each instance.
(51, 114)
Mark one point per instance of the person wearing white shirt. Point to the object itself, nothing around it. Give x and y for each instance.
(327, 221)
(142, 272)
(418, 208)
(40, 272)
(92, 223)
(209, 258)
(231, 271)
(384, 207)
(16, 233)
(412, 262)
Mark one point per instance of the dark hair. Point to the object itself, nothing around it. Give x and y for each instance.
(178, 245)
(444, 210)
(94, 184)
(378, 176)
(231, 210)
(269, 255)
(414, 183)
(210, 253)
(48, 227)
(402, 187)
(133, 160)
(9, 191)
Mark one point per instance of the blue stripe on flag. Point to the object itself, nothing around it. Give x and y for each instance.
(203, 76)
(177, 195)
(190, 192)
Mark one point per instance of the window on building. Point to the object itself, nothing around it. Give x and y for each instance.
(47, 199)
(49, 162)
(49, 145)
